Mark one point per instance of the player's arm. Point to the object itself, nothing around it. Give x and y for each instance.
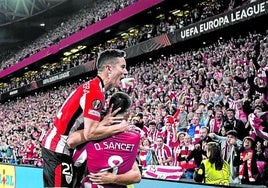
(76, 138)
(130, 177)
(94, 130)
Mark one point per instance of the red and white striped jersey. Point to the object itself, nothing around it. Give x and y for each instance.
(86, 101)
(163, 153)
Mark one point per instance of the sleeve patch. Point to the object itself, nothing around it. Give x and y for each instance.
(96, 104)
(94, 113)
(200, 171)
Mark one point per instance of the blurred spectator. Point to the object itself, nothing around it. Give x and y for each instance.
(183, 120)
(199, 152)
(169, 132)
(152, 133)
(163, 152)
(229, 146)
(147, 154)
(236, 124)
(183, 154)
(213, 170)
(246, 160)
(216, 123)
(194, 129)
(29, 152)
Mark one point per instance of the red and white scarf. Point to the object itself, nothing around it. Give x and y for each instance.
(249, 166)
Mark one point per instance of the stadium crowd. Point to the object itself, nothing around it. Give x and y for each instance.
(210, 87)
(192, 98)
(169, 24)
(71, 24)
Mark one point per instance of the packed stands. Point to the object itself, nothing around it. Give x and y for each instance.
(209, 82)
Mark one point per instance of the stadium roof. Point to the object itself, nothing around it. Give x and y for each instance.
(28, 28)
(14, 10)
(21, 20)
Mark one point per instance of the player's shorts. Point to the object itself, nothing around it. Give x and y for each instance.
(57, 170)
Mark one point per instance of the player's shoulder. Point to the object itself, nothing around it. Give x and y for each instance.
(133, 134)
(91, 86)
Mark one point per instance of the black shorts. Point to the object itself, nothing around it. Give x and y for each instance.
(57, 170)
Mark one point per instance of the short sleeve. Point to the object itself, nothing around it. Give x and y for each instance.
(93, 103)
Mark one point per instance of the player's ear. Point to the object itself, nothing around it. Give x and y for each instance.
(108, 67)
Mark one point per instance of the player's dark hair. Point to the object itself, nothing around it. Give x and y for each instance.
(108, 56)
(122, 100)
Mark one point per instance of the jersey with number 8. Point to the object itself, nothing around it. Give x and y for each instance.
(115, 154)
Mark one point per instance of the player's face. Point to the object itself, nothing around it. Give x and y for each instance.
(118, 72)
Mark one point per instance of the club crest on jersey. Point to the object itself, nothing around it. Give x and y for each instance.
(96, 104)
(68, 178)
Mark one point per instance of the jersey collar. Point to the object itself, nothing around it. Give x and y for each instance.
(102, 84)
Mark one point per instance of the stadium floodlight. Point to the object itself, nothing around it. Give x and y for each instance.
(107, 31)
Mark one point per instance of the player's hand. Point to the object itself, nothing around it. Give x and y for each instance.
(110, 118)
(124, 126)
(102, 177)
